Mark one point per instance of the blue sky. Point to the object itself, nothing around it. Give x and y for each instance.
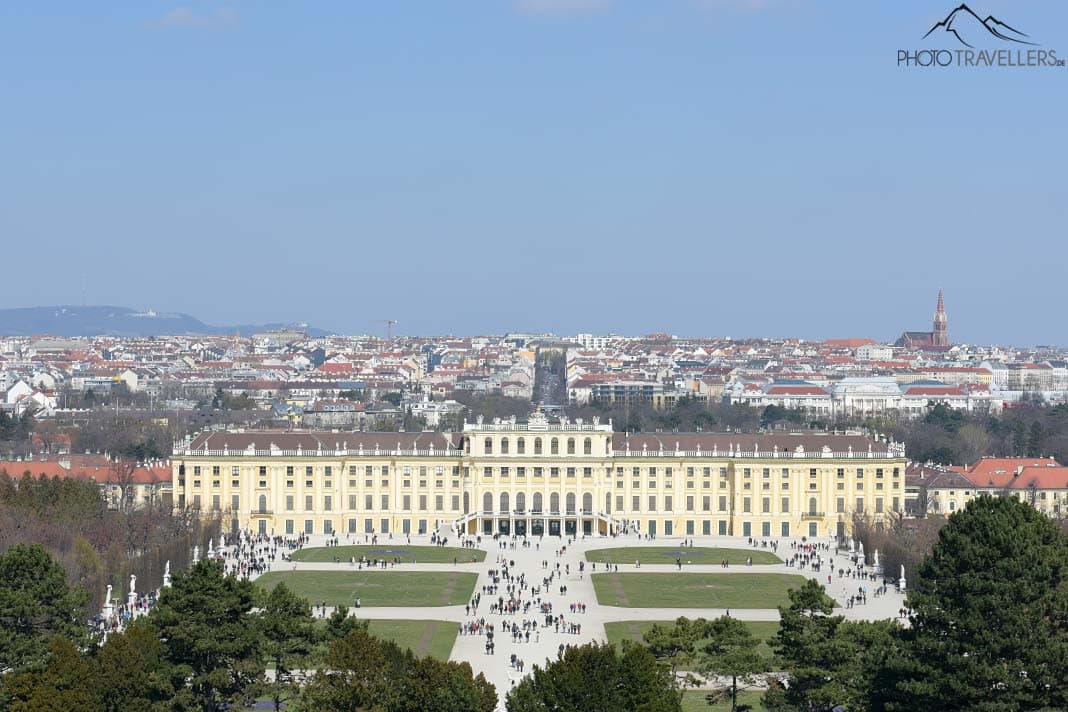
(720, 167)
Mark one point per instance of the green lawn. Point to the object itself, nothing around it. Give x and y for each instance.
(686, 590)
(618, 631)
(694, 701)
(433, 638)
(689, 555)
(376, 588)
(407, 554)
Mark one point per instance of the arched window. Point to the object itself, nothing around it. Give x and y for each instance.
(537, 446)
(537, 501)
(489, 446)
(571, 446)
(263, 503)
(608, 503)
(587, 447)
(521, 446)
(554, 447)
(520, 502)
(587, 503)
(487, 502)
(504, 502)
(554, 502)
(570, 502)
(504, 446)
(811, 505)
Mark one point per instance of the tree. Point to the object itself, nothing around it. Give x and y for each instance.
(974, 442)
(340, 623)
(36, 604)
(667, 643)
(287, 627)
(431, 685)
(595, 678)
(358, 674)
(208, 635)
(66, 682)
(828, 661)
(130, 671)
(948, 418)
(363, 674)
(1034, 439)
(990, 624)
(732, 653)
(121, 476)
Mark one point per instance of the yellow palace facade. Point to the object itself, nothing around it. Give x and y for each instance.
(540, 477)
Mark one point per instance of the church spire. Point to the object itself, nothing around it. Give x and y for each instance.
(940, 335)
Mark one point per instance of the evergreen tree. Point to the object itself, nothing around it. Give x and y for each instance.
(990, 625)
(340, 623)
(209, 637)
(829, 662)
(359, 674)
(36, 604)
(1034, 439)
(66, 683)
(731, 652)
(130, 671)
(288, 631)
(595, 678)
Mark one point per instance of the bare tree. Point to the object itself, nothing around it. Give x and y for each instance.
(121, 476)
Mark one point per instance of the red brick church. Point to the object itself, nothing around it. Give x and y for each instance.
(937, 340)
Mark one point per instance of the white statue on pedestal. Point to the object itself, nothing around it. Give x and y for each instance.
(211, 548)
(109, 609)
(167, 574)
(901, 581)
(196, 554)
(875, 559)
(131, 597)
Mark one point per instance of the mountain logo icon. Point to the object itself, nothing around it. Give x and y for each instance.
(970, 29)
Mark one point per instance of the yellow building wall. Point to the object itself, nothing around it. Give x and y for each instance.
(671, 496)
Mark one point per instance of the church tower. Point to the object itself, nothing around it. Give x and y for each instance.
(940, 337)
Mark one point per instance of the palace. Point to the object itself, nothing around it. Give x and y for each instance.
(540, 477)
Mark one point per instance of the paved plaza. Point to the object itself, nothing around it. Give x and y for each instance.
(545, 643)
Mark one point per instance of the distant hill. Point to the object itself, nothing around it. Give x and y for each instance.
(119, 321)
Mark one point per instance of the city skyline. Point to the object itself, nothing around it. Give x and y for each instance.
(695, 167)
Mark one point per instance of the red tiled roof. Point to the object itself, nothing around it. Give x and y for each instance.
(1041, 478)
(1000, 471)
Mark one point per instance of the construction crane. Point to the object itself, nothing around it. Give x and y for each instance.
(389, 327)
